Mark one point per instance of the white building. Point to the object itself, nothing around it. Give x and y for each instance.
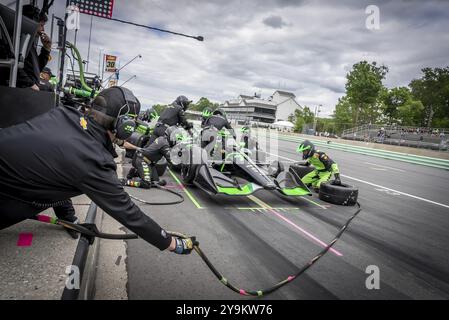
(250, 108)
(255, 109)
(286, 104)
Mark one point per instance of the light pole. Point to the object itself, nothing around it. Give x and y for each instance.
(118, 70)
(317, 110)
(134, 76)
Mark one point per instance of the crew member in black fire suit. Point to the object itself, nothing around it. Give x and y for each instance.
(62, 154)
(217, 121)
(173, 115)
(144, 173)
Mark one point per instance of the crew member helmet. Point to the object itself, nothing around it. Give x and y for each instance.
(307, 149)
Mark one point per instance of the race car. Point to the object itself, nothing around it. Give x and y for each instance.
(214, 162)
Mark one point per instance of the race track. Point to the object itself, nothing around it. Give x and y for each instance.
(258, 240)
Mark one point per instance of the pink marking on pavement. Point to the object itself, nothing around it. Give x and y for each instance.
(43, 218)
(304, 231)
(25, 240)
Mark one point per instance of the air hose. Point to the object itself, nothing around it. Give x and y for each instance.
(180, 196)
(85, 90)
(280, 284)
(91, 231)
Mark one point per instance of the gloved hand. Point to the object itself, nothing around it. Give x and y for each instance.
(189, 126)
(46, 41)
(337, 180)
(185, 246)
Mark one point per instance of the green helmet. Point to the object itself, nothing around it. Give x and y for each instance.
(206, 113)
(306, 148)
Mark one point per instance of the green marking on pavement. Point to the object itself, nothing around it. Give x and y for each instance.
(192, 198)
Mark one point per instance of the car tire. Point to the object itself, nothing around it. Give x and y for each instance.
(301, 171)
(343, 194)
(188, 172)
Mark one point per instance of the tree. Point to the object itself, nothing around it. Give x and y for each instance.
(202, 104)
(308, 115)
(364, 83)
(400, 107)
(411, 113)
(342, 114)
(432, 89)
(300, 117)
(159, 108)
(299, 125)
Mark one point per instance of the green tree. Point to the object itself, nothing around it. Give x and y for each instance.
(308, 115)
(299, 125)
(363, 86)
(300, 117)
(159, 108)
(432, 89)
(411, 113)
(202, 104)
(342, 114)
(400, 107)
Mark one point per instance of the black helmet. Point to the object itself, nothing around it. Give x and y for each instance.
(183, 102)
(219, 112)
(306, 148)
(116, 101)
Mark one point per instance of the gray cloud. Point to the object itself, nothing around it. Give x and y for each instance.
(275, 22)
(243, 53)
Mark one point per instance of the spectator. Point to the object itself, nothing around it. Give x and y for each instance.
(29, 76)
(44, 81)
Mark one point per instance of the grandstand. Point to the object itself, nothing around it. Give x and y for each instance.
(417, 137)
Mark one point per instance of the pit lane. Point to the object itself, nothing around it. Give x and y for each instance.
(258, 240)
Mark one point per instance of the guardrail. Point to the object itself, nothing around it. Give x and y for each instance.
(392, 155)
(85, 260)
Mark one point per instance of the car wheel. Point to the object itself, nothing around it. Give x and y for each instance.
(188, 172)
(343, 194)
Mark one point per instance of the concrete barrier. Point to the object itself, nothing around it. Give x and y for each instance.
(410, 158)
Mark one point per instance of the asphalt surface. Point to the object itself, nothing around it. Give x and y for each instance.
(259, 240)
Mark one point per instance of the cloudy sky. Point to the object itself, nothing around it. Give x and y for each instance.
(306, 47)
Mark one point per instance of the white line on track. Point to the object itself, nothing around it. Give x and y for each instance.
(386, 167)
(379, 186)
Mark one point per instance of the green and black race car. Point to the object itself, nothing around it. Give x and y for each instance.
(214, 162)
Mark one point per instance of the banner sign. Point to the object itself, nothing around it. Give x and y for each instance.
(99, 8)
(110, 63)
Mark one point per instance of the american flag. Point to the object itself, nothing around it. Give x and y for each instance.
(99, 8)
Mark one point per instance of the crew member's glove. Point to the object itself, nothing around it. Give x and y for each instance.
(185, 246)
(337, 180)
(188, 126)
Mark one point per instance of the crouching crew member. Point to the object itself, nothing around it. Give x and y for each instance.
(324, 166)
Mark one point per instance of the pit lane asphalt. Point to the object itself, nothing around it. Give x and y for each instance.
(405, 237)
